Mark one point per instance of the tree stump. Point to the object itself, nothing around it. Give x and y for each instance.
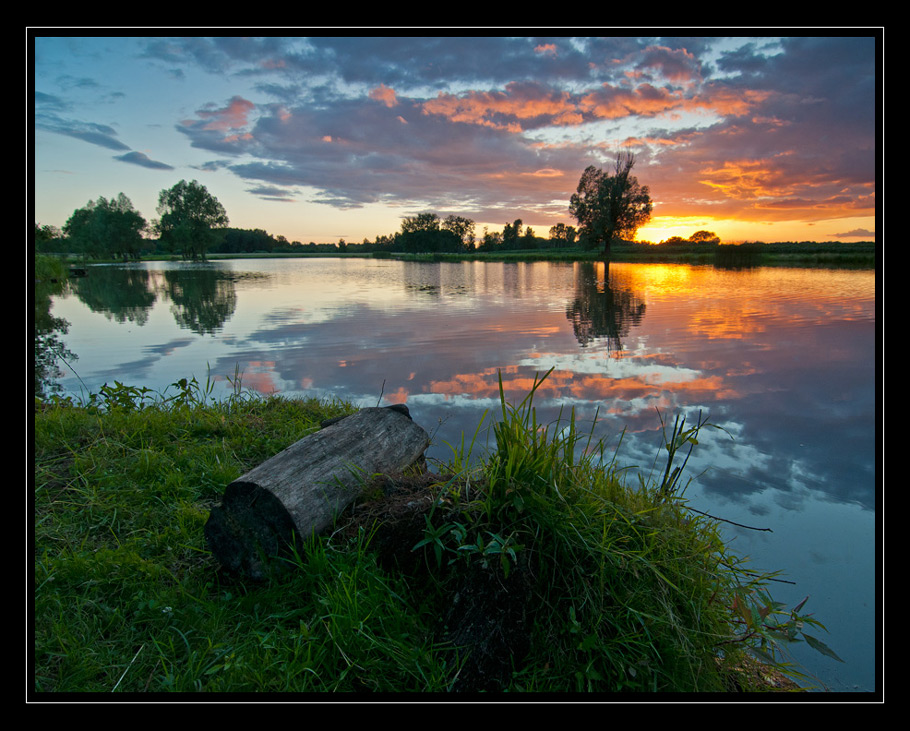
(301, 490)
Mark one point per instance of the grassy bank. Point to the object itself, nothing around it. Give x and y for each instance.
(862, 255)
(594, 585)
(799, 254)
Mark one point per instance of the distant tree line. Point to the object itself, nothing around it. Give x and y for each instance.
(609, 208)
(191, 222)
(699, 237)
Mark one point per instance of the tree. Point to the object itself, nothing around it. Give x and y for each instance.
(511, 233)
(236, 240)
(462, 227)
(562, 235)
(124, 227)
(609, 206)
(425, 232)
(490, 241)
(106, 228)
(421, 223)
(704, 237)
(45, 234)
(188, 215)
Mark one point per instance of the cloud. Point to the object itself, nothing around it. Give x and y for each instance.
(674, 64)
(143, 160)
(49, 101)
(787, 130)
(521, 105)
(358, 152)
(101, 135)
(769, 128)
(384, 94)
(864, 232)
(234, 115)
(272, 193)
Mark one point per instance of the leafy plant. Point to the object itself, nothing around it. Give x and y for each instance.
(679, 438)
(767, 626)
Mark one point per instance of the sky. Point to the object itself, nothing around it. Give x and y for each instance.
(325, 138)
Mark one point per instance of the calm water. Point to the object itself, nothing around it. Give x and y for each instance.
(783, 359)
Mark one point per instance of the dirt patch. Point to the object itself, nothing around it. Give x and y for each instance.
(394, 508)
(490, 619)
(486, 615)
(753, 675)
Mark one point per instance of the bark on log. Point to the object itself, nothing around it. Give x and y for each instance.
(301, 490)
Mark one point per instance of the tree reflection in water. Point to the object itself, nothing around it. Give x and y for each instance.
(601, 309)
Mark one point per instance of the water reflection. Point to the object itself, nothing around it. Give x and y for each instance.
(601, 310)
(779, 358)
(783, 360)
(123, 294)
(203, 296)
(50, 353)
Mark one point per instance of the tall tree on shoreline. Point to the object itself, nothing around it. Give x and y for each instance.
(188, 215)
(609, 206)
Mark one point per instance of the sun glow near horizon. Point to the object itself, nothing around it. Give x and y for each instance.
(732, 231)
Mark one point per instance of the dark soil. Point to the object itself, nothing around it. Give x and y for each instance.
(486, 613)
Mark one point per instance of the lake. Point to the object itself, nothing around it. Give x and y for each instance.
(784, 360)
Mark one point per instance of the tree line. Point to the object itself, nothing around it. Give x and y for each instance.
(190, 221)
(608, 207)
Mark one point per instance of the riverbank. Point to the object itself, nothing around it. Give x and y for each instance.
(862, 255)
(806, 254)
(633, 592)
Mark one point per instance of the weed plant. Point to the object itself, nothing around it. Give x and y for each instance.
(631, 591)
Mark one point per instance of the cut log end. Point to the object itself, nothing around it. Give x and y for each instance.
(249, 527)
(301, 490)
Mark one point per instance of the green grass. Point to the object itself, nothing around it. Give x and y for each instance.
(859, 255)
(793, 254)
(630, 590)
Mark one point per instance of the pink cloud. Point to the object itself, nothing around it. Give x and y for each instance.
(548, 49)
(384, 94)
(233, 116)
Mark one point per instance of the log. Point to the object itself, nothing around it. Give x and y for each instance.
(301, 490)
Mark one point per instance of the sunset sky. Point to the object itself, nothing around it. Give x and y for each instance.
(323, 138)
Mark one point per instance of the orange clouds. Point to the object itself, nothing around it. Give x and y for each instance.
(505, 109)
(585, 387)
(520, 103)
(742, 179)
(546, 49)
(234, 116)
(385, 95)
(613, 102)
(752, 140)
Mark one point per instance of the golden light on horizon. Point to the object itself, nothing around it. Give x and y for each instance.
(661, 228)
(736, 231)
